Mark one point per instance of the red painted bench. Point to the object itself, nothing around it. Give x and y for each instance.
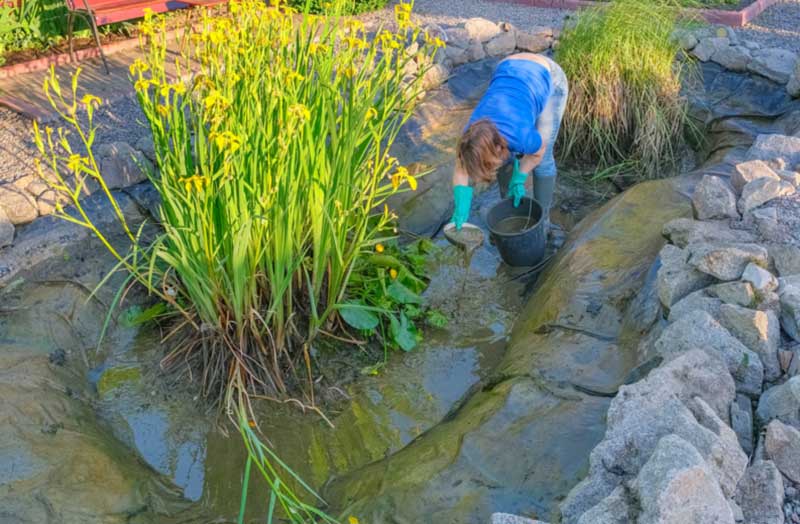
(104, 12)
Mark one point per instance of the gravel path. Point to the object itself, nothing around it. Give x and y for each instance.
(120, 121)
(777, 26)
(454, 12)
(16, 147)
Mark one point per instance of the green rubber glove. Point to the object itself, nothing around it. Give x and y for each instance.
(516, 187)
(462, 195)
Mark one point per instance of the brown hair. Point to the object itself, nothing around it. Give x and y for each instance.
(480, 148)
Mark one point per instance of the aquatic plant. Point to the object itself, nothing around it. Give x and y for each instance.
(625, 112)
(271, 135)
(384, 294)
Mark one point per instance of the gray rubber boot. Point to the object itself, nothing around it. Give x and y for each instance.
(543, 189)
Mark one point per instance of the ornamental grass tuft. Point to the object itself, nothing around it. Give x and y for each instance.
(625, 110)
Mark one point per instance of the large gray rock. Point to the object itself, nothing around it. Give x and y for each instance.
(6, 230)
(762, 280)
(534, 42)
(435, 76)
(647, 410)
(766, 221)
(676, 486)
(685, 231)
(121, 165)
(793, 177)
(676, 278)
(760, 494)
(17, 204)
(781, 402)
(739, 293)
(773, 63)
(742, 422)
(686, 39)
(726, 261)
(475, 51)
(759, 192)
(793, 86)
(707, 47)
(147, 147)
(746, 172)
(481, 29)
(788, 283)
(790, 311)
(614, 509)
(458, 55)
(773, 147)
(786, 258)
(714, 198)
(693, 302)
(733, 57)
(46, 202)
(693, 374)
(502, 45)
(782, 445)
(701, 331)
(758, 330)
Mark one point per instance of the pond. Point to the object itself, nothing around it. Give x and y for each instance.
(496, 412)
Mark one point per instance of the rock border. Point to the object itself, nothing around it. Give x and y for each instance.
(723, 46)
(712, 434)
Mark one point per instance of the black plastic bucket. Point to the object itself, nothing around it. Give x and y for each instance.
(522, 246)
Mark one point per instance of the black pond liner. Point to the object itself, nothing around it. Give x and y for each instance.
(524, 247)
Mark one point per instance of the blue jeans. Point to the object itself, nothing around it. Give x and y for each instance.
(548, 124)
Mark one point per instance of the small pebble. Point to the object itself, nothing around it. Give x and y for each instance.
(791, 492)
(58, 357)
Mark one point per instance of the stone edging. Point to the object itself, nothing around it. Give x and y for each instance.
(729, 342)
(27, 198)
(722, 46)
(738, 18)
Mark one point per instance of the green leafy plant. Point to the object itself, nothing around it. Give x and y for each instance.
(385, 293)
(625, 105)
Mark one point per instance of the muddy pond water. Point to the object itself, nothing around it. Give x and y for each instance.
(447, 433)
(167, 428)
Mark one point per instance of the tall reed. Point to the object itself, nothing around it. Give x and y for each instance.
(625, 109)
(272, 133)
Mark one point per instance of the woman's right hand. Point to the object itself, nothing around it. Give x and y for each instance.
(462, 197)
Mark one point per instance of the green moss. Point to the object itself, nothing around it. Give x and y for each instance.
(114, 378)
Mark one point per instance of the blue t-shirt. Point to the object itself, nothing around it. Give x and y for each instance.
(514, 100)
